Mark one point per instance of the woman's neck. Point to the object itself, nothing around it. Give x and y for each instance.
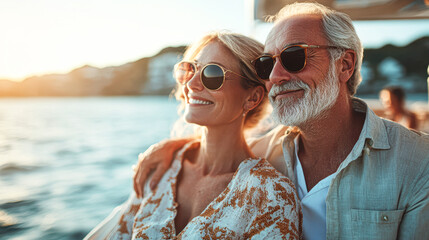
(221, 150)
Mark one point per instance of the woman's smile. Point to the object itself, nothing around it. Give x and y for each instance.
(198, 101)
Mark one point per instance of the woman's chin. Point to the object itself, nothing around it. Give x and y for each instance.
(195, 120)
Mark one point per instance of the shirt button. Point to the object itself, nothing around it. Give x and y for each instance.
(366, 150)
(385, 218)
(370, 142)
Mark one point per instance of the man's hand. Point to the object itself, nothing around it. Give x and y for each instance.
(157, 157)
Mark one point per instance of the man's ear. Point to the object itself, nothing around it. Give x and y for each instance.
(255, 97)
(347, 65)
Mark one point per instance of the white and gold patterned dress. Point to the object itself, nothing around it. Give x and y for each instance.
(258, 203)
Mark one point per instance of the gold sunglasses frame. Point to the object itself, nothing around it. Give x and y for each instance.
(195, 65)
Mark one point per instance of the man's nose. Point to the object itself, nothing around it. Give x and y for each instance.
(279, 74)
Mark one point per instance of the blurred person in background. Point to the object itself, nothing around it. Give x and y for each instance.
(393, 100)
(216, 188)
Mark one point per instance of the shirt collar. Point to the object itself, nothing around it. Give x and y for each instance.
(374, 131)
(372, 136)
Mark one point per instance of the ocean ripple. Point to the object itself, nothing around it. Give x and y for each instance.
(7, 168)
(7, 220)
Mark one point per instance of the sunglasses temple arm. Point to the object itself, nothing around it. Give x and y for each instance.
(242, 76)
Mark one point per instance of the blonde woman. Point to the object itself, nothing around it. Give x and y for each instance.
(216, 187)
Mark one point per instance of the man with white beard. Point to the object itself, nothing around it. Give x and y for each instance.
(308, 107)
(358, 176)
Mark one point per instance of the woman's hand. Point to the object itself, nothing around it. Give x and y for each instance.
(157, 157)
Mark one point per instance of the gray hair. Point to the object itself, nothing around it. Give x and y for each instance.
(339, 31)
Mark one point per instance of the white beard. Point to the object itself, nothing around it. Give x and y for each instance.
(295, 112)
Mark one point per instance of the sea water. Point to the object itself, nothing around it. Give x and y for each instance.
(65, 163)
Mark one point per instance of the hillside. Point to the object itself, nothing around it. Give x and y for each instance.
(389, 65)
(406, 66)
(128, 79)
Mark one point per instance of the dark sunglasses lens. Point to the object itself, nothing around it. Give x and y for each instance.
(293, 58)
(212, 77)
(184, 72)
(264, 66)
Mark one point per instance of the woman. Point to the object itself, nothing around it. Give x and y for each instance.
(215, 187)
(393, 99)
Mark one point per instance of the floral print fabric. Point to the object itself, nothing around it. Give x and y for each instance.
(258, 203)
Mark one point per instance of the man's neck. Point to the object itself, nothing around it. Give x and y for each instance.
(326, 142)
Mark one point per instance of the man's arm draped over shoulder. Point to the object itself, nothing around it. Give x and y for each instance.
(269, 146)
(157, 157)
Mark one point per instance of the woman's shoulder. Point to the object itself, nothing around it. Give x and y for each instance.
(188, 146)
(262, 186)
(260, 167)
(261, 174)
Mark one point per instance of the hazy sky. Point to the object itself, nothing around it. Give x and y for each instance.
(55, 36)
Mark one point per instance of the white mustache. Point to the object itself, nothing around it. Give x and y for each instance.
(292, 85)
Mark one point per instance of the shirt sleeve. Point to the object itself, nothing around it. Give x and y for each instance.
(261, 146)
(105, 228)
(414, 224)
(118, 223)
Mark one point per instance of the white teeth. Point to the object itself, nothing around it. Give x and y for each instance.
(197, 101)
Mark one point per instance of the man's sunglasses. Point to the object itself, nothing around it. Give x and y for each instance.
(212, 75)
(293, 58)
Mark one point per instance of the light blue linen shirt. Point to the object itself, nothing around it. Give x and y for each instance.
(313, 202)
(380, 191)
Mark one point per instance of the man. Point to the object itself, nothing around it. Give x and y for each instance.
(393, 100)
(358, 176)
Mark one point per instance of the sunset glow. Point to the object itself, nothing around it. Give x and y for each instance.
(51, 36)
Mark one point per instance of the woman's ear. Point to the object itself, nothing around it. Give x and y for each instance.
(347, 67)
(255, 97)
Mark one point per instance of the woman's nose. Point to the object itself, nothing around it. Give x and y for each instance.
(194, 83)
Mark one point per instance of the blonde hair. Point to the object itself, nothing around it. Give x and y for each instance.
(245, 49)
(339, 31)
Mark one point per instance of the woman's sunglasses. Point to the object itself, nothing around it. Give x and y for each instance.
(212, 75)
(293, 59)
